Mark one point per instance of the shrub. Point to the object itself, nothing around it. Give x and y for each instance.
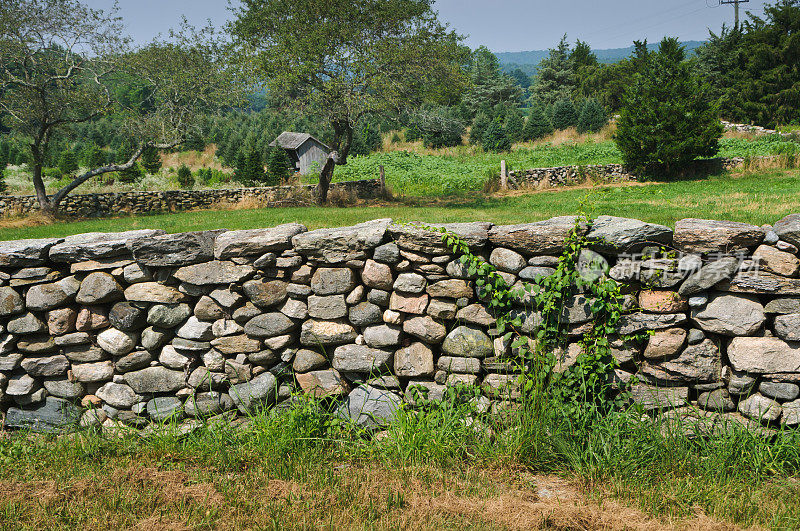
(496, 138)
(366, 139)
(93, 156)
(564, 114)
(667, 119)
(131, 174)
(538, 124)
(151, 160)
(514, 125)
(185, 178)
(592, 118)
(396, 138)
(67, 162)
(3, 187)
(277, 167)
(413, 133)
(479, 126)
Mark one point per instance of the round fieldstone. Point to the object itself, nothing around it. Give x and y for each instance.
(168, 315)
(99, 288)
(410, 283)
(377, 275)
(507, 260)
(127, 317)
(467, 342)
(365, 314)
(10, 302)
(164, 408)
(117, 342)
(207, 309)
(308, 360)
(134, 361)
(266, 294)
(120, 396)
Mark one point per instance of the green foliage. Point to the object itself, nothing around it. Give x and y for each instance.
(479, 127)
(92, 156)
(537, 125)
(514, 125)
(185, 178)
(496, 138)
(366, 139)
(564, 114)
(592, 118)
(151, 160)
(438, 127)
(555, 79)
(489, 87)
(3, 185)
(277, 167)
(667, 119)
(4, 152)
(67, 162)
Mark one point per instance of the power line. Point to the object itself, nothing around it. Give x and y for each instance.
(664, 21)
(735, 8)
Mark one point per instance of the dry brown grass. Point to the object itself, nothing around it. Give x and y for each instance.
(193, 159)
(15, 220)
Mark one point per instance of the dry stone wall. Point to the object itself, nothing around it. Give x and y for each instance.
(100, 205)
(133, 327)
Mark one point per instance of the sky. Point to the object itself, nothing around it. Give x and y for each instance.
(501, 25)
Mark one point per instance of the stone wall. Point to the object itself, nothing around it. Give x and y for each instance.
(604, 173)
(100, 205)
(125, 328)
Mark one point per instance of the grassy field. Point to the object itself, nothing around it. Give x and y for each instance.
(756, 197)
(303, 469)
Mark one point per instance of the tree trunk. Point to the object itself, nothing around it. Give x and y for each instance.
(45, 205)
(342, 140)
(325, 177)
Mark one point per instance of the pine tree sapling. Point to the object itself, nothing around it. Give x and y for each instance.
(479, 127)
(564, 114)
(366, 139)
(495, 137)
(254, 167)
(514, 125)
(185, 178)
(151, 160)
(67, 162)
(277, 167)
(667, 119)
(592, 118)
(3, 186)
(538, 124)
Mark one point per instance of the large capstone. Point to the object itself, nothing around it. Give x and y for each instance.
(418, 238)
(24, 253)
(341, 244)
(53, 414)
(711, 236)
(539, 238)
(253, 242)
(612, 234)
(370, 407)
(97, 245)
(467, 342)
(173, 250)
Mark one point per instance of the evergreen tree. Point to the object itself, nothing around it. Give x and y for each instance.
(538, 124)
(124, 153)
(667, 119)
(564, 114)
(495, 138)
(479, 127)
(3, 186)
(514, 125)
(93, 156)
(185, 178)
(5, 148)
(151, 160)
(67, 162)
(366, 139)
(489, 86)
(592, 117)
(277, 167)
(253, 167)
(555, 78)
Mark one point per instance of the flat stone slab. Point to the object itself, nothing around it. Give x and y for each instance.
(709, 236)
(53, 414)
(764, 355)
(414, 237)
(614, 234)
(172, 250)
(653, 397)
(342, 244)
(256, 241)
(761, 283)
(539, 238)
(214, 272)
(24, 253)
(96, 245)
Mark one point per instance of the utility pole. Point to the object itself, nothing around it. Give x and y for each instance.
(735, 9)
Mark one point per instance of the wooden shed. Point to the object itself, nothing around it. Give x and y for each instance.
(306, 152)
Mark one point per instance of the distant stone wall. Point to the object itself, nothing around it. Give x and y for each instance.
(603, 173)
(755, 129)
(101, 205)
(122, 329)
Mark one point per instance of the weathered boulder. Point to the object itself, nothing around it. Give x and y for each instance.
(370, 407)
(459, 365)
(365, 314)
(507, 260)
(425, 328)
(99, 371)
(788, 229)
(612, 234)
(539, 238)
(783, 305)
(43, 297)
(207, 404)
(760, 408)
(333, 281)
(654, 397)
(168, 315)
(388, 253)
(26, 324)
(154, 292)
(236, 344)
(138, 359)
(418, 239)
(442, 309)
(709, 275)
(730, 315)
(127, 317)
(117, 342)
(788, 326)
(315, 333)
(214, 272)
(269, 325)
(117, 395)
(776, 261)
(46, 367)
(173, 250)
(155, 380)
(97, 245)
(697, 363)
(635, 323)
(327, 307)
(662, 302)
(172, 359)
(341, 244)
(308, 360)
(253, 242)
(783, 391)
(10, 302)
(51, 415)
(450, 289)
(412, 304)
(382, 336)
(710, 236)
(665, 343)
(250, 396)
(576, 310)
(24, 253)
(414, 361)
(64, 388)
(377, 275)
(717, 400)
(322, 383)
(467, 342)
(360, 358)
(99, 288)
(764, 355)
(164, 408)
(265, 294)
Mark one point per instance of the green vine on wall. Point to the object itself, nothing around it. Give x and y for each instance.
(587, 388)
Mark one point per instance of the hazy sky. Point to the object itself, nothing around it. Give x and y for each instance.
(502, 25)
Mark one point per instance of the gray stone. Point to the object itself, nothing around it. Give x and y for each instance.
(46, 367)
(460, 365)
(322, 383)
(442, 309)
(388, 253)
(64, 388)
(783, 391)
(99, 288)
(665, 343)
(237, 344)
(155, 380)
(365, 314)
(214, 272)
(172, 359)
(120, 396)
(51, 415)
(710, 236)
(251, 396)
(640, 322)
(22, 253)
(414, 361)
(764, 355)
(776, 261)
(117, 342)
(370, 407)
(190, 345)
(153, 339)
(164, 408)
(327, 307)
(269, 325)
(788, 326)
(783, 305)
(265, 358)
(308, 360)
(127, 317)
(450, 289)
(467, 342)
(333, 281)
(168, 315)
(195, 329)
(207, 404)
(36, 345)
(360, 358)
(718, 400)
(423, 389)
(410, 283)
(697, 363)
(72, 339)
(233, 244)
(695, 336)
(612, 234)
(576, 310)
(341, 244)
(245, 313)
(84, 353)
(226, 298)
(207, 309)
(97, 245)
(380, 297)
(134, 273)
(382, 336)
(761, 408)
(422, 240)
(698, 301)
(213, 360)
(316, 333)
(740, 383)
(377, 275)
(226, 327)
(295, 309)
(173, 250)
(26, 324)
(533, 272)
(654, 398)
(507, 260)
(788, 229)
(730, 315)
(21, 385)
(153, 292)
(709, 275)
(504, 386)
(426, 329)
(10, 302)
(43, 297)
(99, 371)
(356, 295)
(265, 294)
(541, 237)
(138, 359)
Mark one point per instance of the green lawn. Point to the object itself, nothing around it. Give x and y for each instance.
(755, 198)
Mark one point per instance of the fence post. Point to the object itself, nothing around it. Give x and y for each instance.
(382, 179)
(503, 175)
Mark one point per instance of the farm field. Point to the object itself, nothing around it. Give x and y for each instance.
(754, 197)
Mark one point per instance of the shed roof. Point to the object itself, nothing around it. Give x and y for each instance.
(289, 140)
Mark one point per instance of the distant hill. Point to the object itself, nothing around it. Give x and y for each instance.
(529, 61)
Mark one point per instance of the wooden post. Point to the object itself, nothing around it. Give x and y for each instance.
(382, 179)
(503, 175)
